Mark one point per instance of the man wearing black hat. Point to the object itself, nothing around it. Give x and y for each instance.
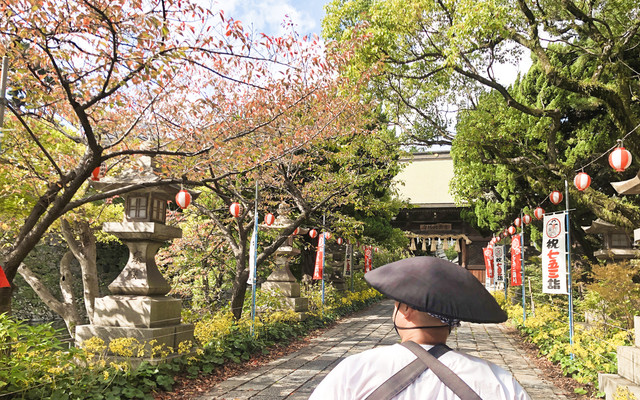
(432, 296)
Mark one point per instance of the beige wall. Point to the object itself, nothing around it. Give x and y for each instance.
(426, 180)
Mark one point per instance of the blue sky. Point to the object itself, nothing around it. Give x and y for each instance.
(267, 15)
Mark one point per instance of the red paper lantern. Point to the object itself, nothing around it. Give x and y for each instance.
(327, 235)
(296, 231)
(99, 172)
(582, 181)
(339, 241)
(516, 221)
(183, 199)
(538, 213)
(620, 159)
(376, 249)
(269, 219)
(313, 233)
(555, 197)
(235, 209)
(511, 230)
(526, 219)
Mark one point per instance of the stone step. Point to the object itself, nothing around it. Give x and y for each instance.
(615, 386)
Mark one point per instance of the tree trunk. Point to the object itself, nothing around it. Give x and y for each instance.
(5, 299)
(65, 308)
(239, 291)
(84, 250)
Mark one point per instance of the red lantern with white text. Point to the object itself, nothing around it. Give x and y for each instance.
(526, 219)
(538, 213)
(235, 209)
(511, 230)
(269, 218)
(183, 199)
(620, 159)
(582, 181)
(516, 221)
(313, 233)
(555, 197)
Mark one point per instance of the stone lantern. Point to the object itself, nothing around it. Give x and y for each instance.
(281, 279)
(138, 306)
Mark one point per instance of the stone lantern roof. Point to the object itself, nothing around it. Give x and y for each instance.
(145, 172)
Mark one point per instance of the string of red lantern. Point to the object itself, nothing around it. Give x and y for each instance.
(269, 219)
(555, 197)
(183, 199)
(236, 209)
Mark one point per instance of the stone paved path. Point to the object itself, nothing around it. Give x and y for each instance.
(296, 375)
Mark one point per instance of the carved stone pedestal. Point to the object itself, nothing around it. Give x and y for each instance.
(283, 282)
(138, 307)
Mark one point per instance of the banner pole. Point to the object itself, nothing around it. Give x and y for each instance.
(3, 93)
(569, 283)
(324, 238)
(524, 304)
(254, 265)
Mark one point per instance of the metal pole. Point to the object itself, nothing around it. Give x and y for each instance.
(254, 266)
(524, 304)
(351, 264)
(569, 283)
(324, 238)
(3, 92)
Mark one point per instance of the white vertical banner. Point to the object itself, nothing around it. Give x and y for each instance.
(554, 254)
(498, 263)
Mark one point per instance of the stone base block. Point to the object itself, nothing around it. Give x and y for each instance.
(286, 289)
(170, 336)
(297, 304)
(137, 311)
(629, 363)
(610, 383)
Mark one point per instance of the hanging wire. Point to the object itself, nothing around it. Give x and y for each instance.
(618, 144)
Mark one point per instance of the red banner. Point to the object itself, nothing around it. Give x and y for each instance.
(3, 279)
(516, 273)
(488, 261)
(368, 258)
(317, 272)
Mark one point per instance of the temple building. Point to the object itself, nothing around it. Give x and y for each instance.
(433, 222)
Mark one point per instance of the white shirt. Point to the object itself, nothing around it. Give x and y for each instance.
(357, 376)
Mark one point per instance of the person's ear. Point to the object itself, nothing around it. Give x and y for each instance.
(406, 311)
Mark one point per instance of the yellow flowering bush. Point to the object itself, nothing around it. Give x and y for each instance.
(205, 331)
(593, 350)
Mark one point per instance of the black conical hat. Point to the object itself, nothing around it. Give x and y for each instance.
(438, 286)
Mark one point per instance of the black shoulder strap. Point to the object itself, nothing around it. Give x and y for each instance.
(425, 360)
